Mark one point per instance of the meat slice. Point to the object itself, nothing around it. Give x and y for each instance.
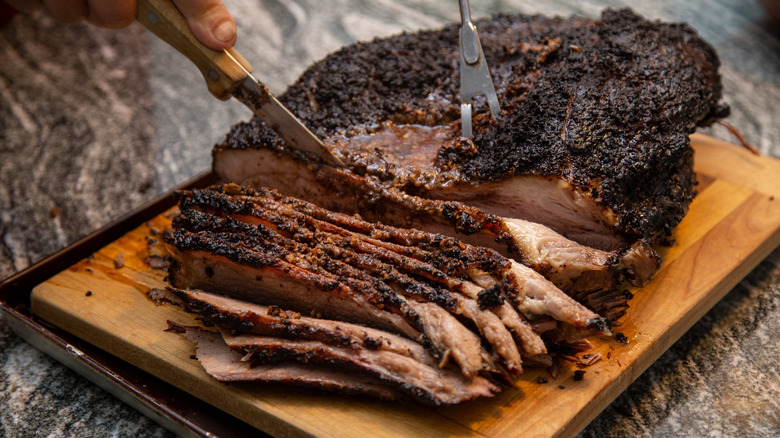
(577, 268)
(226, 365)
(430, 385)
(531, 343)
(592, 138)
(439, 258)
(239, 316)
(284, 284)
(533, 294)
(295, 288)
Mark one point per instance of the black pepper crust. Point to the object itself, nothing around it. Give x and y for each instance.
(605, 104)
(612, 117)
(408, 256)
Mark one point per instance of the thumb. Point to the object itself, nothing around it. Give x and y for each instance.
(210, 22)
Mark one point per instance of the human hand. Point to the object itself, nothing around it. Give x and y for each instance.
(209, 20)
(772, 7)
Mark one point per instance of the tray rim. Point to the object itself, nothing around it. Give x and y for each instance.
(162, 402)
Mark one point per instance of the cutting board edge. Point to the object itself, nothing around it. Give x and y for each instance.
(66, 321)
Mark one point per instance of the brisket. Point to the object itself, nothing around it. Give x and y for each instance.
(570, 265)
(432, 266)
(592, 139)
(225, 365)
(262, 247)
(279, 342)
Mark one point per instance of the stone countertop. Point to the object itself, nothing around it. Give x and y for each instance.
(95, 122)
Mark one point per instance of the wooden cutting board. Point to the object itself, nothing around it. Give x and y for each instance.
(732, 225)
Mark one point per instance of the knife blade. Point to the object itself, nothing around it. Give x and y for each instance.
(228, 74)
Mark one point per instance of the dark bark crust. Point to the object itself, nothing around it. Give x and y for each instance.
(605, 104)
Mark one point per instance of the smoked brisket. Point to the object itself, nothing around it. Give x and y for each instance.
(464, 303)
(432, 266)
(595, 119)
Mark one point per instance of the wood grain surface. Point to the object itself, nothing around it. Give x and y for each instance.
(732, 225)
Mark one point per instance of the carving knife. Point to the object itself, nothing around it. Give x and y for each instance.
(228, 74)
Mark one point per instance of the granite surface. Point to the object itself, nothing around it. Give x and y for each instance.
(94, 122)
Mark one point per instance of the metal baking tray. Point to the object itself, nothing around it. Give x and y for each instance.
(169, 406)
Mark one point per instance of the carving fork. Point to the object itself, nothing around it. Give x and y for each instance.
(475, 76)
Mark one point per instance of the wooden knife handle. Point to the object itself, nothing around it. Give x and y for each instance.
(220, 69)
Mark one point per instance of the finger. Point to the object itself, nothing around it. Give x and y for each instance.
(773, 7)
(210, 22)
(113, 14)
(67, 11)
(25, 6)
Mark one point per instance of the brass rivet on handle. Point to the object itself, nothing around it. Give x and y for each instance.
(153, 18)
(213, 75)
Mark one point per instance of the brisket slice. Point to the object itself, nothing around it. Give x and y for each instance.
(592, 139)
(429, 385)
(237, 316)
(225, 365)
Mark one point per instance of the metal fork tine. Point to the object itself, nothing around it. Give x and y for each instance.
(465, 119)
(475, 76)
